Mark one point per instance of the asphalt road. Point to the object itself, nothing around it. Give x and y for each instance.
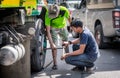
(108, 66)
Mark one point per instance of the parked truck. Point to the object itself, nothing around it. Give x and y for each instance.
(22, 38)
(102, 17)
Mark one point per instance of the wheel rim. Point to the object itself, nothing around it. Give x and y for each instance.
(98, 37)
(42, 51)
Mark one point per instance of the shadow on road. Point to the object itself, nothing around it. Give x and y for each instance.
(60, 74)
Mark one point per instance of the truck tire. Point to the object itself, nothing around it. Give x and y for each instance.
(38, 44)
(99, 36)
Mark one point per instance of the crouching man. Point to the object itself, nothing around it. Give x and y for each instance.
(85, 49)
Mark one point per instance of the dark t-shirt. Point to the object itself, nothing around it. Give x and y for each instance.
(91, 46)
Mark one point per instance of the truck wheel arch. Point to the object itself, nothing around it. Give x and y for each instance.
(99, 35)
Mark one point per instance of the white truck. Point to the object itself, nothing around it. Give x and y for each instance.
(102, 17)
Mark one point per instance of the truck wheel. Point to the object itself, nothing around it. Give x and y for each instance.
(99, 36)
(38, 44)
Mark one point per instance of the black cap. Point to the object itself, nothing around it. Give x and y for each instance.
(77, 23)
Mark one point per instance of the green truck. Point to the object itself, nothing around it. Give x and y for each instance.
(22, 38)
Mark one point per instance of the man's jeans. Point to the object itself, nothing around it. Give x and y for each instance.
(79, 60)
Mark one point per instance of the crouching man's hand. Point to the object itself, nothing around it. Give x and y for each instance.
(65, 43)
(63, 56)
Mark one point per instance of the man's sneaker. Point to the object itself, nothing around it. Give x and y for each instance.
(54, 67)
(90, 70)
(78, 69)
